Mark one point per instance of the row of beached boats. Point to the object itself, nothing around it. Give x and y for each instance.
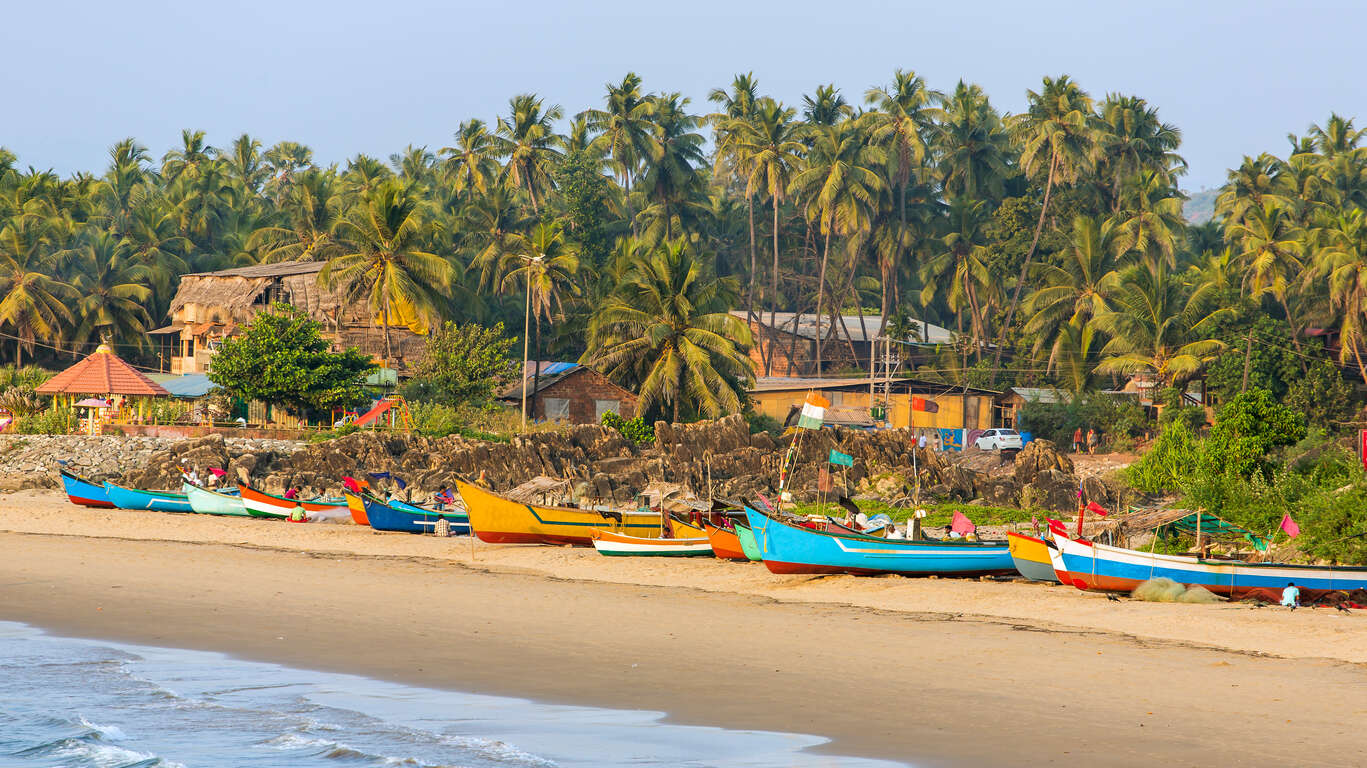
(739, 531)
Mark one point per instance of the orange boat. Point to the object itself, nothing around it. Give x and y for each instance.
(724, 542)
(356, 507)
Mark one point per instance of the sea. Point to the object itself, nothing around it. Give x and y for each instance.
(75, 702)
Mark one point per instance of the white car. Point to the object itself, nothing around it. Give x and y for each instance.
(997, 439)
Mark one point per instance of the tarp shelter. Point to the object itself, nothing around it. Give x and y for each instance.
(189, 385)
(103, 374)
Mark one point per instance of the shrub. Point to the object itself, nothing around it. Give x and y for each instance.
(1168, 463)
(57, 420)
(635, 429)
(759, 422)
(1114, 417)
(1323, 396)
(20, 401)
(462, 364)
(1246, 430)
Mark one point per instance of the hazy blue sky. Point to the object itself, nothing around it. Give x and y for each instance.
(347, 76)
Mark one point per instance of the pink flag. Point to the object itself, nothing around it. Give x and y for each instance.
(768, 505)
(1290, 526)
(961, 524)
(217, 472)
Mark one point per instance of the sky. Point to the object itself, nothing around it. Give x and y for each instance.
(351, 76)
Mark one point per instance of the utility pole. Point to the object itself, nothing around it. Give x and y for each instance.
(527, 336)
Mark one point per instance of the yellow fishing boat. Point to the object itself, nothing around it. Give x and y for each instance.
(1031, 557)
(500, 520)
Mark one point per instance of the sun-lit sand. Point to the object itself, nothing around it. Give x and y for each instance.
(950, 671)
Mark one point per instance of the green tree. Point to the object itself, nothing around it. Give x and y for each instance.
(462, 364)
(528, 139)
(281, 358)
(666, 331)
(112, 291)
(1327, 401)
(1246, 430)
(33, 306)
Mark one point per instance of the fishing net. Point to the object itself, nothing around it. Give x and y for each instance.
(1159, 590)
(1198, 594)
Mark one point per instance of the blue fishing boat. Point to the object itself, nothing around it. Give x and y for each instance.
(84, 492)
(789, 548)
(411, 518)
(161, 501)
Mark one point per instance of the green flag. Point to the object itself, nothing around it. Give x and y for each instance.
(841, 459)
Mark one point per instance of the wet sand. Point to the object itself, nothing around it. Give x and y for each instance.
(929, 671)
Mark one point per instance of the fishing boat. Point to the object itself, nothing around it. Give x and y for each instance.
(261, 504)
(1031, 557)
(207, 502)
(1104, 568)
(725, 542)
(84, 492)
(788, 548)
(618, 545)
(356, 506)
(410, 518)
(748, 545)
(132, 498)
(500, 520)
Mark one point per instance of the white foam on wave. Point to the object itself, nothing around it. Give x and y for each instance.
(112, 732)
(102, 755)
(335, 749)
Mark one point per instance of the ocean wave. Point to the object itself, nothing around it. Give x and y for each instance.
(105, 731)
(93, 752)
(336, 750)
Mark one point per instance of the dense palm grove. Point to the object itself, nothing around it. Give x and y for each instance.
(1052, 240)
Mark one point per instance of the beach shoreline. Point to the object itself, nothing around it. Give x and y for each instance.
(948, 671)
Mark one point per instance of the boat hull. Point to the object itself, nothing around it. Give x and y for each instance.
(617, 545)
(207, 502)
(793, 549)
(259, 504)
(83, 492)
(160, 501)
(725, 542)
(406, 518)
(499, 520)
(1100, 567)
(1031, 557)
(748, 545)
(356, 507)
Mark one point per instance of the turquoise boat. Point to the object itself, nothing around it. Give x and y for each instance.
(207, 502)
(132, 498)
(748, 545)
(789, 548)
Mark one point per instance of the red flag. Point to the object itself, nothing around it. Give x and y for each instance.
(1096, 508)
(823, 481)
(351, 484)
(217, 472)
(922, 404)
(1290, 526)
(1057, 526)
(961, 524)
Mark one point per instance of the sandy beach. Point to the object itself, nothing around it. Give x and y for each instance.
(929, 671)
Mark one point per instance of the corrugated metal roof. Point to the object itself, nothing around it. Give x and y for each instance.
(185, 385)
(921, 331)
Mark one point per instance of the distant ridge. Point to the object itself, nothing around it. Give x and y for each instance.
(1200, 206)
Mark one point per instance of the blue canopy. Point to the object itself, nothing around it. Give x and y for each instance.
(188, 385)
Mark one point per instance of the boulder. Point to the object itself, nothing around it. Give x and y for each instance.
(1040, 456)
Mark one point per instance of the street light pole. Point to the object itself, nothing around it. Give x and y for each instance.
(527, 335)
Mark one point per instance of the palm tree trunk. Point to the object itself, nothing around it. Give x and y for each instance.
(821, 296)
(773, 278)
(384, 321)
(1295, 337)
(1025, 268)
(750, 297)
(1357, 355)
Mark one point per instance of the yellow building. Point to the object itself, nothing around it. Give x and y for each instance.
(953, 407)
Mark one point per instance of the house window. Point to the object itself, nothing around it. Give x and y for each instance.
(556, 408)
(189, 347)
(601, 407)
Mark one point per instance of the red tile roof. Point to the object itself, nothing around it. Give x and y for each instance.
(103, 373)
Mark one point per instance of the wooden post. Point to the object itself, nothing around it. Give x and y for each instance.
(1198, 532)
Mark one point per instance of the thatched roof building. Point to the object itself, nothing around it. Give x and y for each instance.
(211, 306)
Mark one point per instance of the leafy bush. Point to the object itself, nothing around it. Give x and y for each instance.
(462, 364)
(759, 422)
(19, 401)
(1167, 465)
(1323, 396)
(1246, 430)
(57, 420)
(635, 429)
(167, 411)
(27, 377)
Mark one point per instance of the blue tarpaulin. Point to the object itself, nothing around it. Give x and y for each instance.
(188, 385)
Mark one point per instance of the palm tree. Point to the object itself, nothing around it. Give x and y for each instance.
(1134, 141)
(528, 139)
(839, 190)
(283, 161)
(547, 267)
(493, 226)
(961, 267)
(310, 210)
(1344, 263)
(1268, 244)
(112, 290)
(1156, 326)
(972, 145)
(1256, 182)
(1150, 218)
(1056, 138)
(904, 117)
(826, 106)
(1338, 136)
(667, 328)
(624, 130)
(470, 163)
(676, 151)
(770, 146)
(1074, 289)
(123, 182)
(34, 305)
(384, 262)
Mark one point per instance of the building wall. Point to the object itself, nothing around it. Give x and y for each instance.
(583, 388)
(950, 416)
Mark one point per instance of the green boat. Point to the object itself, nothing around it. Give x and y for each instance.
(747, 541)
(207, 502)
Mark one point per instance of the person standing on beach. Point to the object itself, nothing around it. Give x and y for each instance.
(1077, 440)
(1092, 440)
